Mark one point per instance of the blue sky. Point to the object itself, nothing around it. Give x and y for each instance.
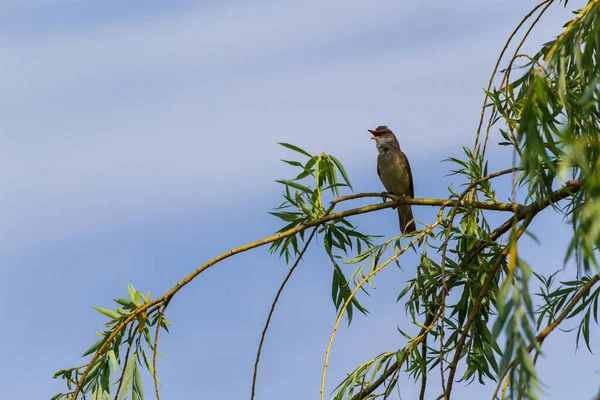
(140, 140)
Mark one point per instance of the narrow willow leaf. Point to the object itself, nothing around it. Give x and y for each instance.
(94, 347)
(128, 377)
(138, 387)
(125, 303)
(342, 170)
(131, 292)
(525, 360)
(295, 185)
(113, 359)
(111, 314)
(295, 148)
(148, 364)
(294, 163)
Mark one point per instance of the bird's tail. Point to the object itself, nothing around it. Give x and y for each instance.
(407, 224)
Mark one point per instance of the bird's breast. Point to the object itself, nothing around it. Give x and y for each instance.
(393, 173)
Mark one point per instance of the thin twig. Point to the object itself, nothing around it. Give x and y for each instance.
(424, 375)
(358, 286)
(528, 213)
(506, 79)
(489, 87)
(442, 317)
(264, 332)
(161, 315)
(571, 188)
(475, 308)
(505, 388)
(316, 222)
(452, 215)
(125, 360)
(450, 223)
(539, 339)
(388, 391)
(569, 26)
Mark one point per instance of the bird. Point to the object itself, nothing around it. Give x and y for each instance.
(394, 171)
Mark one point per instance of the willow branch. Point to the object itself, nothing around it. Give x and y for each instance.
(483, 205)
(126, 360)
(264, 332)
(527, 213)
(161, 315)
(510, 38)
(395, 366)
(424, 377)
(455, 210)
(422, 234)
(477, 304)
(548, 330)
(390, 386)
(505, 79)
(569, 26)
(443, 260)
(568, 190)
(313, 223)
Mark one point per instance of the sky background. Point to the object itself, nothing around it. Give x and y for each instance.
(139, 140)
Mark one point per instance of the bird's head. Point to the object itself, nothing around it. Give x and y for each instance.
(384, 137)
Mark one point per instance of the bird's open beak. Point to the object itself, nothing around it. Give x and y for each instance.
(375, 134)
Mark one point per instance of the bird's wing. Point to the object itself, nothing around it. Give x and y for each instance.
(412, 186)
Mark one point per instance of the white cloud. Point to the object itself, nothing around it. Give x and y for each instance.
(137, 118)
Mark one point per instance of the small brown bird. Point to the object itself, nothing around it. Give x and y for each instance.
(394, 171)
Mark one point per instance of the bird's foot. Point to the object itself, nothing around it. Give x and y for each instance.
(384, 195)
(402, 199)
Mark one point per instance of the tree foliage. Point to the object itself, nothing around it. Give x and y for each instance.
(491, 328)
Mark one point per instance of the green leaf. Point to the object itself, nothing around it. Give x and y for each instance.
(94, 347)
(128, 377)
(404, 291)
(295, 185)
(131, 292)
(294, 163)
(125, 303)
(113, 359)
(97, 394)
(525, 360)
(295, 148)
(342, 170)
(138, 387)
(111, 314)
(148, 364)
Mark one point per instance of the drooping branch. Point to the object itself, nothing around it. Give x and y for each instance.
(272, 310)
(424, 375)
(160, 301)
(493, 75)
(571, 188)
(450, 223)
(505, 79)
(159, 321)
(316, 222)
(544, 333)
(569, 26)
(526, 213)
(477, 305)
(360, 284)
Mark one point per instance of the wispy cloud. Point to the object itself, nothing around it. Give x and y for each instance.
(128, 116)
